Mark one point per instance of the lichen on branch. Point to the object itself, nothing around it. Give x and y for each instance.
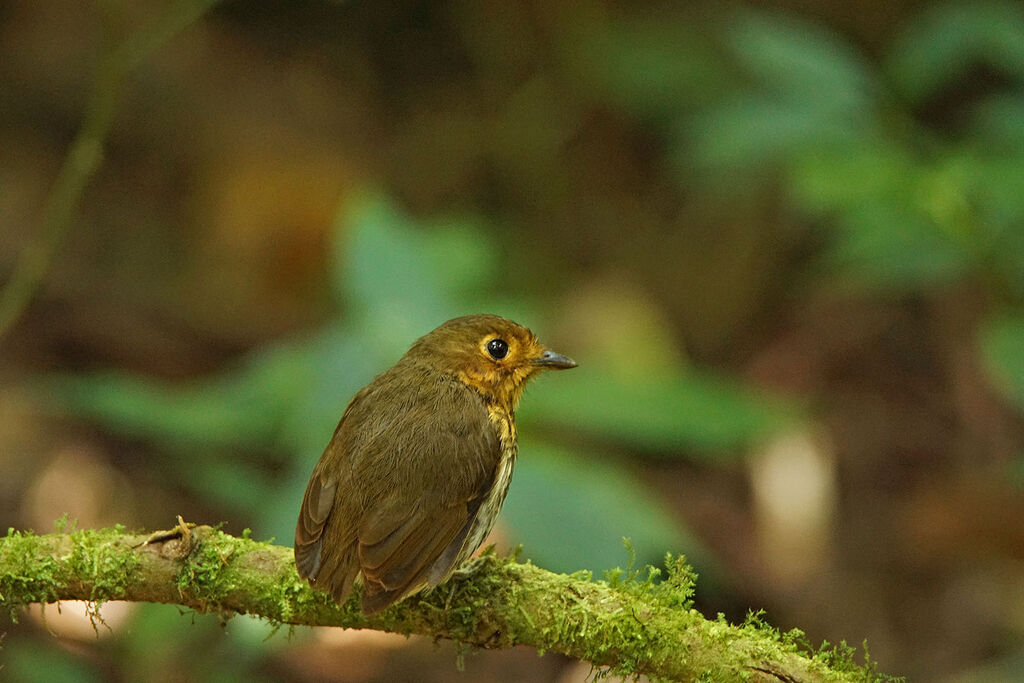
(630, 624)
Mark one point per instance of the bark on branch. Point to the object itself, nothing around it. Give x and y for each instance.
(629, 625)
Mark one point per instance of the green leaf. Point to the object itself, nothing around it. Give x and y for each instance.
(343, 362)
(190, 646)
(845, 179)
(277, 514)
(139, 407)
(459, 255)
(45, 661)
(1007, 255)
(571, 512)
(802, 61)
(889, 246)
(393, 289)
(654, 67)
(239, 408)
(946, 40)
(997, 185)
(1002, 353)
(231, 483)
(999, 120)
(402, 278)
(671, 413)
(814, 92)
(750, 130)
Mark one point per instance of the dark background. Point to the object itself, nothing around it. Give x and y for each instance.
(784, 240)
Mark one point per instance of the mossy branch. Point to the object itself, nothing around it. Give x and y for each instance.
(629, 625)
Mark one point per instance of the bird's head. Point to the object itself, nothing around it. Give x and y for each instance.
(490, 354)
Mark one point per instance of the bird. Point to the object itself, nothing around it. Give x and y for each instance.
(412, 480)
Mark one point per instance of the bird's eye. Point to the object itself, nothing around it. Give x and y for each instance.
(498, 348)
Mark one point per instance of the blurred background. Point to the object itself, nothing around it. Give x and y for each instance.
(784, 240)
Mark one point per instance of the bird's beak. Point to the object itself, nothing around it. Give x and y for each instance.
(554, 361)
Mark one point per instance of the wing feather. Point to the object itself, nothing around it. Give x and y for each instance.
(406, 570)
(316, 507)
(394, 434)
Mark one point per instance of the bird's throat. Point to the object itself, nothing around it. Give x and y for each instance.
(501, 392)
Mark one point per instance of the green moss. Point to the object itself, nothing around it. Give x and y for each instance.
(27, 577)
(286, 597)
(64, 524)
(201, 572)
(36, 569)
(99, 557)
(841, 659)
(676, 590)
(836, 662)
(621, 633)
(220, 566)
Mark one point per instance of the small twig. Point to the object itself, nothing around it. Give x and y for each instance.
(86, 154)
(182, 531)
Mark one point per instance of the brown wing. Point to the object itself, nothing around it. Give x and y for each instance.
(330, 565)
(407, 479)
(316, 506)
(413, 555)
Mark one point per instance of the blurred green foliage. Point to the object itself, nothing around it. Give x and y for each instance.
(22, 663)
(1002, 347)
(904, 205)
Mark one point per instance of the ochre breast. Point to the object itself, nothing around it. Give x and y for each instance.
(505, 423)
(506, 426)
(489, 508)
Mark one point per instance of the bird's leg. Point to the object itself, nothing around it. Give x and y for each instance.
(474, 565)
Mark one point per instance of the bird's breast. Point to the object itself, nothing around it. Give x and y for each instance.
(504, 423)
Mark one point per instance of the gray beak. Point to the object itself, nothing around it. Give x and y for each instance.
(555, 361)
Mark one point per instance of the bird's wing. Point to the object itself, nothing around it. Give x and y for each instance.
(316, 506)
(440, 454)
(403, 561)
(319, 501)
(411, 536)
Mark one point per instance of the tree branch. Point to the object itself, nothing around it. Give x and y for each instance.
(630, 625)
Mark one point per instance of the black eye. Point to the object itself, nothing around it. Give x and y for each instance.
(498, 348)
